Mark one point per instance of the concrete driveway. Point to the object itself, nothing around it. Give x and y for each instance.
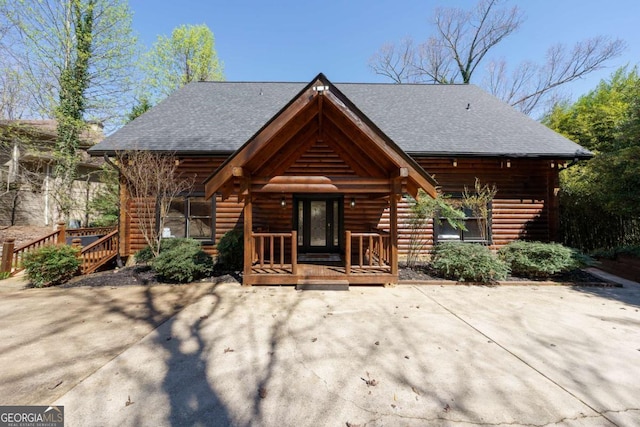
(51, 339)
(405, 356)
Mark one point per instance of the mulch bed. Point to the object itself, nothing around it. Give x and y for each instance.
(575, 277)
(143, 275)
(137, 275)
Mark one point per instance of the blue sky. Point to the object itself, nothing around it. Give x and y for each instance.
(294, 40)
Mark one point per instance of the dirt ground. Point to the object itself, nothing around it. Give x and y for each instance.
(23, 233)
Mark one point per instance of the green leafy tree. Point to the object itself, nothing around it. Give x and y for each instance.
(606, 121)
(70, 110)
(42, 42)
(189, 55)
(139, 109)
(76, 59)
(105, 205)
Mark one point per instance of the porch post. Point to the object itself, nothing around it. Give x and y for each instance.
(62, 237)
(393, 226)
(347, 252)
(7, 256)
(248, 239)
(294, 252)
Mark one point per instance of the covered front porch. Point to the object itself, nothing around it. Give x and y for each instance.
(320, 186)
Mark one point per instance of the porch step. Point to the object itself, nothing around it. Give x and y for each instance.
(322, 285)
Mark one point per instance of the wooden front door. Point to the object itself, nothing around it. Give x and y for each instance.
(318, 220)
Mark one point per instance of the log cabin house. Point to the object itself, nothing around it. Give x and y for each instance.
(319, 176)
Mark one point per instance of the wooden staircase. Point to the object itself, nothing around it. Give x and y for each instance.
(99, 252)
(93, 256)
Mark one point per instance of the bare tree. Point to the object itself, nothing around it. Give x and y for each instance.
(395, 62)
(153, 182)
(530, 83)
(461, 42)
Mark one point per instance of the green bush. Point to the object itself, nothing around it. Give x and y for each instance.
(145, 255)
(468, 262)
(231, 250)
(182, 261)
(5, 275)
(629, 250)
(51, 265)
(538, 260)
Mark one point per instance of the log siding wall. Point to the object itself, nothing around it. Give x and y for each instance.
(525, 206)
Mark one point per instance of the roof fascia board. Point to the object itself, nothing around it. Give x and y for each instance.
(239, 158)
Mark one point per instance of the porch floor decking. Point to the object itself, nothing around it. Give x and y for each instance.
(268, 275)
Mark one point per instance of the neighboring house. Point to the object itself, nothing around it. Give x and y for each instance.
(319, 175)
(27, 163)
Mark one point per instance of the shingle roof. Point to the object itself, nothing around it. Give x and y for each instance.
(449, 120)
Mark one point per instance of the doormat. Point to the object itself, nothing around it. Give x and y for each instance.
(319, 258)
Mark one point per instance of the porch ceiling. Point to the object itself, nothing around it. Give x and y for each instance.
(326, 127)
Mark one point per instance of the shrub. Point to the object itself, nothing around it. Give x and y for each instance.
(51, 265)
(537, 260)
(231, 250)
(468, 262)
(145, 254)
(629, 250)
(182, 261)
(5, 275)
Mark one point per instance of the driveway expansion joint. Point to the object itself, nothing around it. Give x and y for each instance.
(601, 414)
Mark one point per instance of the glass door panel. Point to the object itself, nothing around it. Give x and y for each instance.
(318, 235)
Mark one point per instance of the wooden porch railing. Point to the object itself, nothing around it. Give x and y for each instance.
(89, 231)
(264, 250)
(12, 257)
(373, 250)
(99, 252)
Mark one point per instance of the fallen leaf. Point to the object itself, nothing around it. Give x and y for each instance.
(314, 339)
(377, 343)
(168, 338)
(406, 357)
(204, 317)
(415, 391)
(262, 392)
(393, 406)
(446, 408)
(128, 402)
(228, 350)
(369, 382)
(353, 425)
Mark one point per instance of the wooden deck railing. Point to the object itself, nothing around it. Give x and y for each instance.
(372, 250)
(89, 231)
(265, 253)
(12, 257)
(99, 252)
